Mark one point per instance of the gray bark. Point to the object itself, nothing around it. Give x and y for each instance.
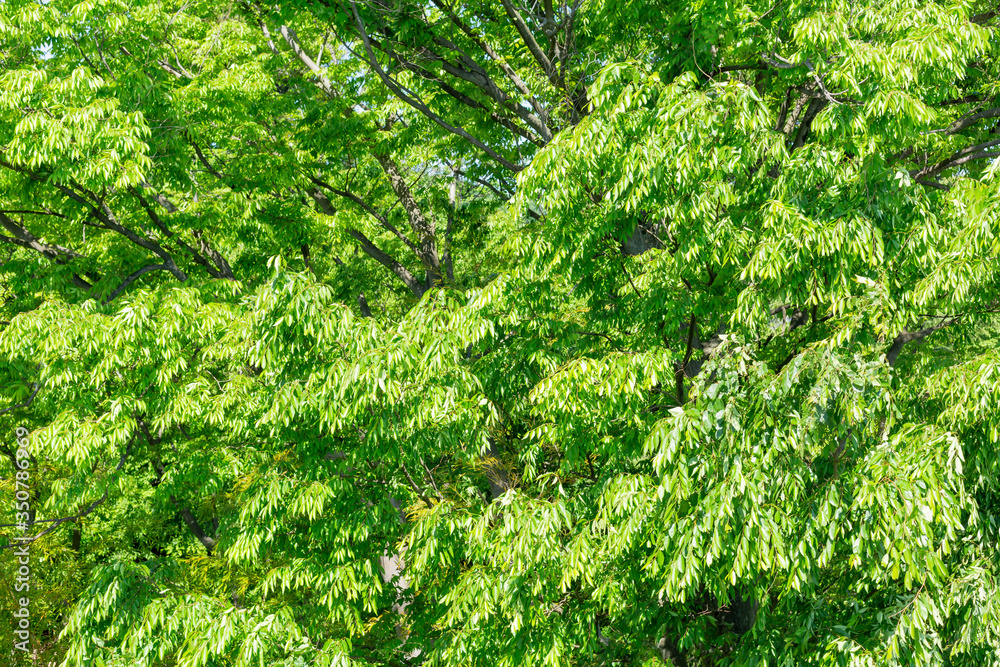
(645, 237)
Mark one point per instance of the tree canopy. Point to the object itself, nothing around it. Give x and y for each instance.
(507, 332)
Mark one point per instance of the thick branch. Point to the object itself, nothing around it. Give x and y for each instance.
(530, 42)
(213, 269)
(373, 251)
(225, 271)
(682, 367)
(519, 83)
(363, 205)
(982, 18)
(35, 387)
(792, 119)
(417, 104)
(173, 71)
(293, 41)
(969, 121)
(383, 258)
(449, 266)
(501, 120)
(421, 225)
(22, 237)
(960, 157)
(366, 311)
(132, 278)
(90, 508)
(192, 523)
(25, 239)
(900, 341)
(100, 211)
(473, 73)
(815, 106)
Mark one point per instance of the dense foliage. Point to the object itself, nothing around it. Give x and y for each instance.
(503, 332)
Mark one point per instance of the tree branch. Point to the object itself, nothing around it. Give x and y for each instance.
(421, 225)
(22, 237)
(969, 121)
(815, 106)
(208, 165)
(473, 73)
(960, 157)
(213, 269)
(417, 104)
(530, 42)
(417, 287)
(192, 523)
(132, 278)
(519, 83)
(461, 97)
(100, 211)
(35, 387)
(503, 196)
(293, 41)
(680, 373)
(900, 341)
(367, 208)
(982, 18)
(79, 515)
